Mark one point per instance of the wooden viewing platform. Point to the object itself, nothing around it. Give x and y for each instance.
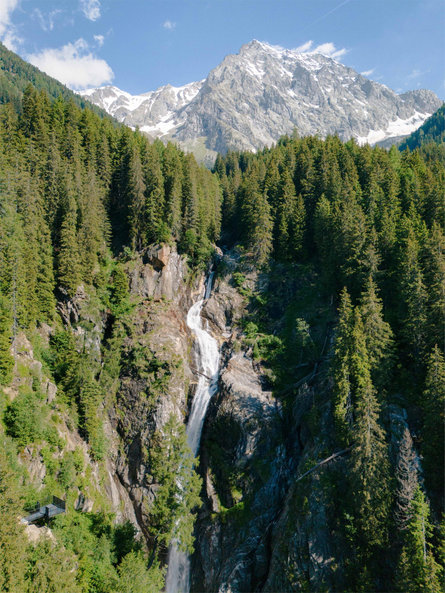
(46, 509)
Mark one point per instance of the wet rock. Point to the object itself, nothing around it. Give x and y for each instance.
(241, 434)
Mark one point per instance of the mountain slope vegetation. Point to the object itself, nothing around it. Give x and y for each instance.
(433, 130)
(16, 74)
(74, 190)
(346, 244)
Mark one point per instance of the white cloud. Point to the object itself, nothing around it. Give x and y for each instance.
(8, 33)
(305, 47)
(91, 9)
(327, 49)
(169, 25)
(367, 72)
(46, 21)
(74, 65)
(6, 9)
(99, 39)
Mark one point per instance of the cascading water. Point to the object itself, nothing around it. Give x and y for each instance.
(178, 573)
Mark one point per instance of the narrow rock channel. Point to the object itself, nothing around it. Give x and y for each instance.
(178, 574)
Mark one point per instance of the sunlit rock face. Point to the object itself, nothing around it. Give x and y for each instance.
(252, 98)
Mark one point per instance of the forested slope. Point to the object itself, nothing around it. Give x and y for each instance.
(329, 308)
(433, 130)
(358, 230)
(16, 74)
(78, 197)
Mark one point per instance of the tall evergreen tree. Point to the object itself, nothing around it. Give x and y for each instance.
(136, 199)
(417, 569)
(434, 420)
(341, 366)
(69, 271)
(12, 537)
(378, 334)
(6, 359)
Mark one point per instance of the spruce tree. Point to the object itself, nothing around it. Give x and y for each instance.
(256, 219)
(136, 200)
(378, 334)
(417, 568)
(433, 403)
(155, 197)
(69, 270)
(12, 538)
(369, 465)
(6, 359)
(341, 369)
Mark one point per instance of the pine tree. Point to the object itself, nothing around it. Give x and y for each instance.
(417, 569)
(45, 274)
(298, 224)
(172, 466)
(256, 219)
(433, 402)
(369, 465)
(434, 274)
(378, 334)
(68, 257)
(172, 174)
(6, 359)
(284, 211)
(136, 200)
(341, 370)
(12, 537)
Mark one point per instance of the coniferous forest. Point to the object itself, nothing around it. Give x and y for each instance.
(347, 243)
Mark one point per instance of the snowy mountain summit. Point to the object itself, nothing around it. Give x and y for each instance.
(252, 98)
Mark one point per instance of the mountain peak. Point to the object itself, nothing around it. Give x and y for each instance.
(255, 96)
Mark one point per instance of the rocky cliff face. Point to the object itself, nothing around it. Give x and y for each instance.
(146, 399)
(256, 531)
(254, 97)
(156, 380)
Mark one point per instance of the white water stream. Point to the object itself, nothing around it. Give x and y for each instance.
(178, 573)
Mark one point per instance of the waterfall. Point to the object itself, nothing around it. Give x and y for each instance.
(178, 573)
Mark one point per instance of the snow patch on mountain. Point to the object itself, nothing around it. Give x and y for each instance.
(398, 127)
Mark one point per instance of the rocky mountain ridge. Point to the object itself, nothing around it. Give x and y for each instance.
(252, 98)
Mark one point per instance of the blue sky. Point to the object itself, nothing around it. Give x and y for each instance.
(139, 45)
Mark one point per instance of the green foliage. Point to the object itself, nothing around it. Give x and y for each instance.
(172, 467)
(12, 537)
(51, 568)
(17, 74)
(434, 418)
(135, 578)
(432, 130)
(120, 294)
(24, 417)
(6, 360)
(318, 215)
(417, 569)
(105, 554)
